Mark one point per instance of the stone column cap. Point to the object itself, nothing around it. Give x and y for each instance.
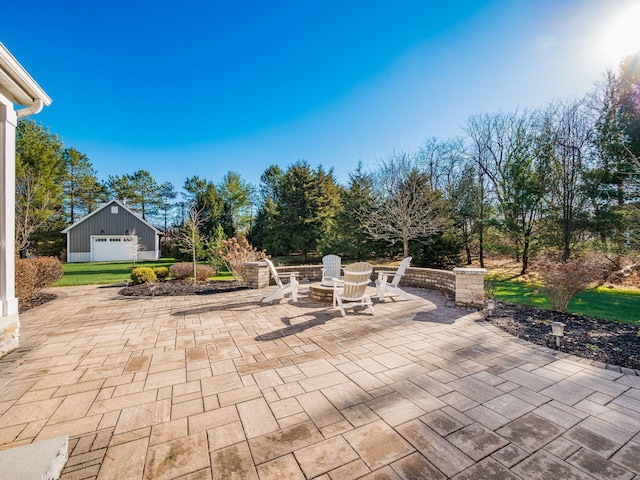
(470, 271)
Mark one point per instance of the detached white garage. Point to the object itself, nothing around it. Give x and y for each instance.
(112, 233)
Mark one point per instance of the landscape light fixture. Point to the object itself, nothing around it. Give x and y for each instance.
(557, 330)
(489, 305)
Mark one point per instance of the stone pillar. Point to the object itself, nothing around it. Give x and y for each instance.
(9, 321)
(257, 274)
(470, 287)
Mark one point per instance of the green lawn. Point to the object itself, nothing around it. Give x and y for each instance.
(111, 272)
(610, 304)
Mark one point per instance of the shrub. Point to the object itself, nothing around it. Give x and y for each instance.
(184, 271)
(161, 272)
(239, 251)
(181, 270)
(562, 280)
(440, 251)
(203, 272)
(26, 279)
(50, 270)
(34, 274)
(142, 275)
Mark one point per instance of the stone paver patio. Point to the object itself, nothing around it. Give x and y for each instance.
(222, 387)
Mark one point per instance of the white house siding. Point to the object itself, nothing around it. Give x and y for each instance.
(77, 257)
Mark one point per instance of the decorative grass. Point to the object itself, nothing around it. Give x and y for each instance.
(98, 273)
(615, 304)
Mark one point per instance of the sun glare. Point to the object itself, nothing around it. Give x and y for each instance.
(622, 36)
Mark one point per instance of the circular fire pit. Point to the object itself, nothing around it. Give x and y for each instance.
(321, 293)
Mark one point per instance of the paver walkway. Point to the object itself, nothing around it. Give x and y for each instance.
(222, 387)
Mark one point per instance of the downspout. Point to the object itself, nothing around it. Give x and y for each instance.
(32, 110)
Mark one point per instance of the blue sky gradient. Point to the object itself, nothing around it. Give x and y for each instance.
(201, 88)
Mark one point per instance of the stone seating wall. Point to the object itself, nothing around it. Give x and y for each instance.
(466, 285)
(442, 280)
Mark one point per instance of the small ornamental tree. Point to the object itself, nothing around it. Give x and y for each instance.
(190, 239)
(238, 251)
(134, 246)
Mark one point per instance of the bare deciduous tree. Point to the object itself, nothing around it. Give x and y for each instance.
(135, 246)
(570, 132)
(404, 206)
(516, 171)
(35, 207)
(190, 239)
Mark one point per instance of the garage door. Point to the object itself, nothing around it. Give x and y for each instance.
(106, 248)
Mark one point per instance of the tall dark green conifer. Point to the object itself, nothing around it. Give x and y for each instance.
(39, 179)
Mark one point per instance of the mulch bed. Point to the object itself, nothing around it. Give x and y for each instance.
(40, 299)
(600, 340)
(179, 287)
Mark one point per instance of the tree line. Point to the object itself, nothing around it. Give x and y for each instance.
(58, 185)
(565, 176)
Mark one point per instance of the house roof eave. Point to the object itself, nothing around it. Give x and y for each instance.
(16, 83)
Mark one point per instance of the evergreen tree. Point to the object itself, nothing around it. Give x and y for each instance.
(298, 208)
(297, 222)
(202, 195)
(613, 181)
(166, 193)
(146, 198)
(463, 202)
(82, 190)
(39, 179)
(235, 192)
(121, 188)
(349, 238)
(263, 232)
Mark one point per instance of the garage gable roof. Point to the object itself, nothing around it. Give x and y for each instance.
(112, 202)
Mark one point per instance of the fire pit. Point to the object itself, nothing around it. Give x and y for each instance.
(321, 293)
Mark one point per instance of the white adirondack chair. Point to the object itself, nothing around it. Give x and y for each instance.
(353, 288)
(387, 282)
(331, 269)
(283, 288)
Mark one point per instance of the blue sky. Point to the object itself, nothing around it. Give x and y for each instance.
(204, 87)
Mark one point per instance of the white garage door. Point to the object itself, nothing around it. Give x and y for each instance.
(106, 248)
